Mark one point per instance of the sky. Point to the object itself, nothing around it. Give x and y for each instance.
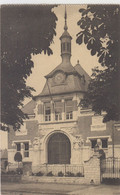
(44, 64)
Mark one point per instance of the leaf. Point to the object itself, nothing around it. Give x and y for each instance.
(80, 39)
(81, 10)
(93, 52)
(85, 39)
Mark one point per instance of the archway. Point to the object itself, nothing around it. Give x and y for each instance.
(59, 149)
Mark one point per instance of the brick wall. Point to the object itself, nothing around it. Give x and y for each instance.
(32, 128)
(84, 126)
(92, 170)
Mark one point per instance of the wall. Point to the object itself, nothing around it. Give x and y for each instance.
(91, 174)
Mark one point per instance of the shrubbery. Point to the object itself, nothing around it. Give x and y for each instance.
(79, 174)
(50, 174)
(60, 174)
(39, 173)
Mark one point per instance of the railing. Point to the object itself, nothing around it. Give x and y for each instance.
(110, 168)
(64, 168)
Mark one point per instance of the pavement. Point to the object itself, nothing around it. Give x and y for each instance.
(57, 189)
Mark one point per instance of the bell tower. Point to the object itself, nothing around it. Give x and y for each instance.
(65, 42)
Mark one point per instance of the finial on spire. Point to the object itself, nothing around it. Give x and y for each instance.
(77, 61)
(65, 27)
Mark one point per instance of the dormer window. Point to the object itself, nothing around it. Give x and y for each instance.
(69, 109)
(58, 110)
(47, 111)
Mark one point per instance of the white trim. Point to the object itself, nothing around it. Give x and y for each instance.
(99, 137)
(21, 141)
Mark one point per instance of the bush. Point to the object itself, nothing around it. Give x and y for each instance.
(69, 174)
(19, 171)
(50, 174)
(79, 174)
(60, 174)
(39, 173)
(11, 172)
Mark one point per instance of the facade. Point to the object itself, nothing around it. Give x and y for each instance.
(3, 159)
(58, 131)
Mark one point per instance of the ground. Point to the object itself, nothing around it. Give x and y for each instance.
(58, 189)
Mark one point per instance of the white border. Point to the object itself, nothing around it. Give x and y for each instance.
(59, 2)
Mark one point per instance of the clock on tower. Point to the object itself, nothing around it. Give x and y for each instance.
(59, 78)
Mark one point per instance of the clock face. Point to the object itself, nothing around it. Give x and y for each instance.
(59, 78)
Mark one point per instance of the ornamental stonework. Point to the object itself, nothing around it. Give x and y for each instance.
(78, 142)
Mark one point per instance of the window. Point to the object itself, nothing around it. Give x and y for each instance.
(26, 149)
(18, 146)
(58, 110)
(47, 111)
(69, 109)
(93, 143)
(63, 46)
(68, 47)
(104, 143)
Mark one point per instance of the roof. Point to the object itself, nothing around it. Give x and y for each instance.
(65, 67)
(65, 34)
(29, 107)
(77, 82)
(81, 71)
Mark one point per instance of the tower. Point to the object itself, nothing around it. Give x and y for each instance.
(65, 43)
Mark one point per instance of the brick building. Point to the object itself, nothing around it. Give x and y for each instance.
(58, 131)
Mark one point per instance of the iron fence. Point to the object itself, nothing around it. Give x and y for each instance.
(110, 168)
(55, 169)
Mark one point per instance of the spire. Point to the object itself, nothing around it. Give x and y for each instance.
(65, 27)
(65, 42)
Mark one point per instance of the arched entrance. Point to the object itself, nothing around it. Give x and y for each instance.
(59, 149)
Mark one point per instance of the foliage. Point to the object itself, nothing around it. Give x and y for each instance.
(11, 172)
(79, 174)
(18, 157)
(39, 173)
(50, 173)
(19, 171)
(26, 30)
(69, 174)
(60, 174)
(100, 31)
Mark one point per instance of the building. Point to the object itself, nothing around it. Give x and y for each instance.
(58, 131)
(3, 159)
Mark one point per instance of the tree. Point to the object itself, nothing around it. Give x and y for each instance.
(100, 31)
(18, 157)
(26, 30)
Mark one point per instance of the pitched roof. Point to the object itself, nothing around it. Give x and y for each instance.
(65, 67)
(29, 107)
(81, 71)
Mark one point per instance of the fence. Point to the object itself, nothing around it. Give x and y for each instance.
(110, 168)
(64, 168)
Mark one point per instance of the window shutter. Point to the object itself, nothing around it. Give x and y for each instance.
(75, 108)
(69, 105)
(40, 109)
